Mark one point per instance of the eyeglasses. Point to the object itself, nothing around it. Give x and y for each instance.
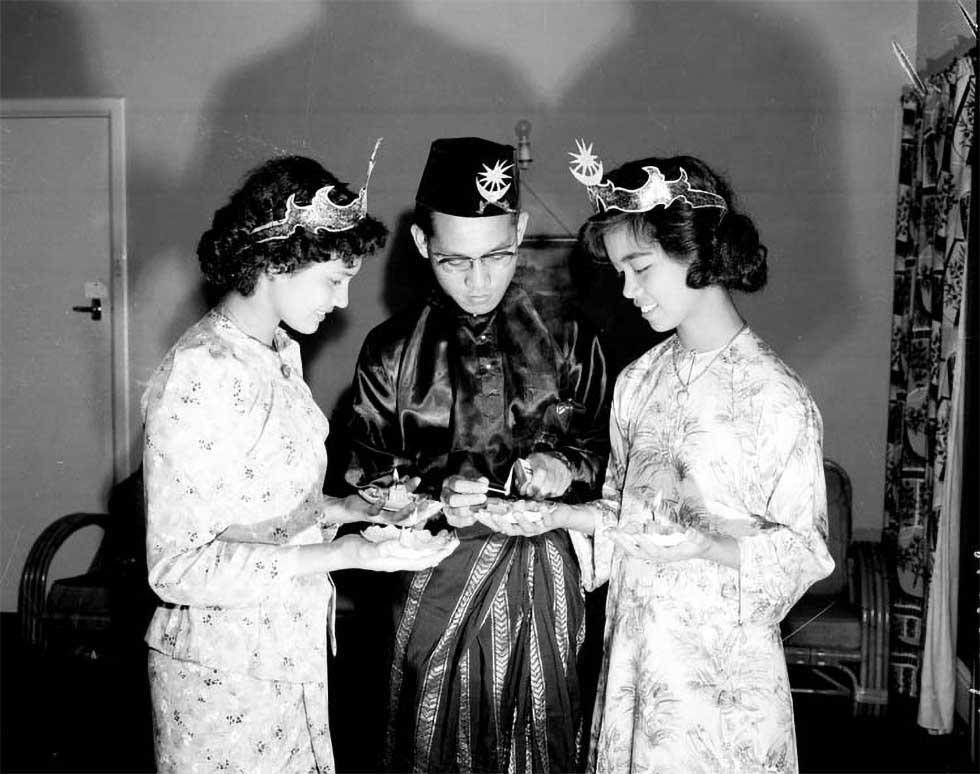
(463, 265)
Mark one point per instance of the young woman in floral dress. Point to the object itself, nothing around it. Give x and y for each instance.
(713, 519)
(240, 539)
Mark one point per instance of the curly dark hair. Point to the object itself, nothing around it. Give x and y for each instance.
(232, 259)
(719, 248)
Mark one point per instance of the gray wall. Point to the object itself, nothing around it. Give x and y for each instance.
(796, 101)
(942, 34)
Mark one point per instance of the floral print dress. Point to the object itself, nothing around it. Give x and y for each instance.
(693, 676)
(234, 460)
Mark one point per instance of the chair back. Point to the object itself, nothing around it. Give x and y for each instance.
(838, 528)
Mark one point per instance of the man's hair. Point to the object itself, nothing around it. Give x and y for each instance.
(422, 217)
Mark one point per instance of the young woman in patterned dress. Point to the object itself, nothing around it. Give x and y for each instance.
(240, 538)
(713, 519)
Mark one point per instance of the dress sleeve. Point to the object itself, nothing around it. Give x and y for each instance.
(789, 551)
(582, 439)
(595, 552)
(201, 419)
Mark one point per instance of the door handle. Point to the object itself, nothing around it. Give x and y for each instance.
(94, 309)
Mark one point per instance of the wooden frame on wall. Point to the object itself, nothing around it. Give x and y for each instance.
(560, 276)
(544, 271)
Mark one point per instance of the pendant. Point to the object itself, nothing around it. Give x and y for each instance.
(286, 370)
(682, 396)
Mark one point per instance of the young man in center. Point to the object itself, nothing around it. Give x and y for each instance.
(485, 672)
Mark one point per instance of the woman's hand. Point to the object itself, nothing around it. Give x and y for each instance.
(550, 477)
(695, 545)
(407, 514)
(354, 508)
(644, 546)
(392, 555)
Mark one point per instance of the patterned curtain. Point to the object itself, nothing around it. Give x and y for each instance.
(931, 250)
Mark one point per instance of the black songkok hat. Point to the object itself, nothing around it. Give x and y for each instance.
(469, 177)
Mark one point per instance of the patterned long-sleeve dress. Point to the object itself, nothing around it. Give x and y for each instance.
(238, 649)
(693, 676)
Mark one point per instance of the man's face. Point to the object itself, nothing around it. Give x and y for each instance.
(474, 259)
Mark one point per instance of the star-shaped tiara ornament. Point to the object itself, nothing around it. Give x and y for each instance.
(321, 214)
(585, 165)
(657, 191)
(493, 185)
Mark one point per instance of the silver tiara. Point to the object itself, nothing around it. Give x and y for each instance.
(321, 214)
(657, 191)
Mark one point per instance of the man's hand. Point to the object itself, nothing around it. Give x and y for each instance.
(525, 523)
(550, 477)
(458, 494)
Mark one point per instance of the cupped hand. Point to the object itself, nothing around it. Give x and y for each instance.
(368, 505)
(520, 523)
(379, 491)
(640, 545)
(496, 522)
(393, 556)
(549, 477)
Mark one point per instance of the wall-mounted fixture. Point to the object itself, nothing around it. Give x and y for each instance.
(523, 131)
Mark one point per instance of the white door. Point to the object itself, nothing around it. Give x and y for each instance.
(62, 273)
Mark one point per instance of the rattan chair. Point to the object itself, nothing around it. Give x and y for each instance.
(105, 610)
(837, 634)
(79, 602)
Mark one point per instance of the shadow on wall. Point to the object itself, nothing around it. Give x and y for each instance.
(743, 85)
(728, 82)
(740, 84)
(326, 93)
(52, 26)
(736, 83)
(324, 90)
(408, 279)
